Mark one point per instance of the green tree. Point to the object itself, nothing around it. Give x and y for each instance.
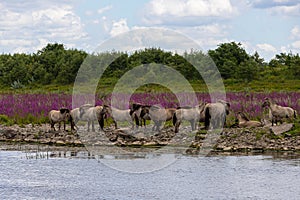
(234, 62)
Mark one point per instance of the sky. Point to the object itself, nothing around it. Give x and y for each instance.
(269, 27)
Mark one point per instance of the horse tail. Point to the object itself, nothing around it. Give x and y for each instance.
(72, 122)
(81, 112)
(295, 114)
(101, 122)
(174, 118)
(207, 118)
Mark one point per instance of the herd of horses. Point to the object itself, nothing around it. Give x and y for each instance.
(212, 114)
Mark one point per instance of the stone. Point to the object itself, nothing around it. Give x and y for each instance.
(60, 142)
(77, 142)
(227, 148)
(283, 128)
(152, 143)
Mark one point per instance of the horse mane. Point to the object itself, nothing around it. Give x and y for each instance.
(136, 106)
(63, 110)
(131, 112)
(270, 101)
(155, 107)
(184, 107)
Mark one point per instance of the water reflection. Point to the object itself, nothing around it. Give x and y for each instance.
(37, 151)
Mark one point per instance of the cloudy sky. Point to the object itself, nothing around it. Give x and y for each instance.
(266, 26)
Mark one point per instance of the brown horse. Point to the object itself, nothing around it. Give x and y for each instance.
(58, 116)
(191, 114)
(279, 112)
(158, 115)
(89, 113)
(135, 111)
(244, 122)
(118, 115)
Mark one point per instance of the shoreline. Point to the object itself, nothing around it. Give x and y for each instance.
(230, 140)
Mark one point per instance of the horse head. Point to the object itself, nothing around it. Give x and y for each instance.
(64, 111)
(226, 104)
(134, 107)
(106, 110)
(144, 111)
(266, 103)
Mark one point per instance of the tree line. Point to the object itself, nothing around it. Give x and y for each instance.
(54, 64)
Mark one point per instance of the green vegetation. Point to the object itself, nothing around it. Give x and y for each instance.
(6, 120)
(295, 131)
(54, 68)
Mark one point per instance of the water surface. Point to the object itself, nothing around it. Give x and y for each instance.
(69, 175)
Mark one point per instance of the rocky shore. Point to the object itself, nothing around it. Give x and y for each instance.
(229, 140)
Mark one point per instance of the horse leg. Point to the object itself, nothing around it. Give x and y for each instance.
(158, 125)
(273, 120)
(207, 119)
(177, 124)
(192, 124)
(89, 123)
(153, 128)
(131, 122)
(116, 125)
(59, 125)
(101, 124)
(93, 126)
(52, 125)
(136, 120)
(224, 125)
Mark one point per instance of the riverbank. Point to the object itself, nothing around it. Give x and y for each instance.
(230, 140)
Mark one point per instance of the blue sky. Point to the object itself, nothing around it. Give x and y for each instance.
(266, 26)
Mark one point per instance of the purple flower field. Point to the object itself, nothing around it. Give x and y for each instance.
(37, 106)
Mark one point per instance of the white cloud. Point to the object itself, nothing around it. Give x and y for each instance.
(104, 9)
(266, 47)
(293, 10)
(272, 3)
(295, 32)
(211, 30)
(89, 13)
(293, 47)
(119, 27)
(296, 45)
(278, 7)
(207, 36)
(168, 11)
(24, 25)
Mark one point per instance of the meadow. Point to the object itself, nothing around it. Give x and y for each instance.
(33, 108)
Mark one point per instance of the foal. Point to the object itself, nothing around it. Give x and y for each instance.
(244, 122)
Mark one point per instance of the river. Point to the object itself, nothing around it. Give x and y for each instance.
(68, 175)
